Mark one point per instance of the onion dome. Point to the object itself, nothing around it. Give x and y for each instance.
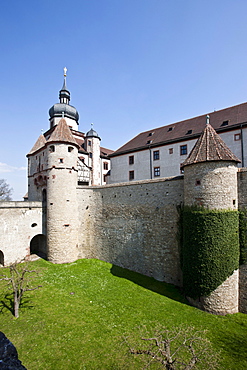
(64, 109)
(92, 133)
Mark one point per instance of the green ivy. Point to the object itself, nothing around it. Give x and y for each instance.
(210, 251)
(243, 235)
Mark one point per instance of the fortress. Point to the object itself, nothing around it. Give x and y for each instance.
(132, 224)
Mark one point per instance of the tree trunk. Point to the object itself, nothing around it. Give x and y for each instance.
(16, 305)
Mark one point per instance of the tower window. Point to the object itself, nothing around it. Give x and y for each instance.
(52, 148)
(89, 142)
(90, 155)
(60, 160)
(183, 149)
(156, 155)
(156, 171)
(131, 175)
(70, 148)
(131, 159)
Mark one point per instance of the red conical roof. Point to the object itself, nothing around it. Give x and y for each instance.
(38, 145)
(62, 133)
(209, 147)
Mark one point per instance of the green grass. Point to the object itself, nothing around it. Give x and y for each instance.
(78, 318)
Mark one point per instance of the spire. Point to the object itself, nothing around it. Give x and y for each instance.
(209, 147)
(64, 94)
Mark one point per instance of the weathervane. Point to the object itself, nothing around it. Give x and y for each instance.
(65, 71)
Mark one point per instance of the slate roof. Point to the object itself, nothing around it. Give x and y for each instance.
(222, 120)
(38, 145)
(209, 147)
(62, 133)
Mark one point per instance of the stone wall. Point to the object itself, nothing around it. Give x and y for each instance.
(20, 222)
(133, 225)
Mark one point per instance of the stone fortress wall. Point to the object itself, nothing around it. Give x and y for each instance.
(133, 225)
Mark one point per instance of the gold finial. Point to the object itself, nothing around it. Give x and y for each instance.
(65, 71)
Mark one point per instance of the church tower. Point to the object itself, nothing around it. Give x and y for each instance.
(63, 109)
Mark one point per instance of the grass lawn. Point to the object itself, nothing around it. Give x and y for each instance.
(78, 318)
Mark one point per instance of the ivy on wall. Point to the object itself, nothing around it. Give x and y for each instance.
(243, 235)
(210, 251)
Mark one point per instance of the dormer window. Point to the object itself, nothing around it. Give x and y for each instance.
(170, 129)
(225, 123)
(149, 141)
(150, 133)
(189, 132)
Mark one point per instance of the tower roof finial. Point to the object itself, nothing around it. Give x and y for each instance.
(208, 119)
(65, 71)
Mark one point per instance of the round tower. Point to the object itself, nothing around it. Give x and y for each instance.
(92, 141)
(62, 209)
(210, 182)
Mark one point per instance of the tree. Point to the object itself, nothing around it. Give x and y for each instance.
(181, 348)
(18, 282)
(5, 190)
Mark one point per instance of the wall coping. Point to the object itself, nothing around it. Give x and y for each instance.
(20, 204)
(131, 183)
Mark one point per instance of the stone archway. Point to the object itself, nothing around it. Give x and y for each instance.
(1, 259)
(38, 246)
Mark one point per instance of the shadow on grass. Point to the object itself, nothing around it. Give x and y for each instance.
(235, 343)
(7, 303)
(165, 289)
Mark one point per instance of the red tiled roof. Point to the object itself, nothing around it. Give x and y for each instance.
(104, 152)
(222, 120)
(209, 147)
(38, 145)
(62, 133)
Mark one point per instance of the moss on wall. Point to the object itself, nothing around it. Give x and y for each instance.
(210, 251)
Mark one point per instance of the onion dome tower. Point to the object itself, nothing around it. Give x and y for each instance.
(92, 146)
(210, 182)
(64, 109)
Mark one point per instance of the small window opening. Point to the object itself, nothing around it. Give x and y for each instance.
(237, 137)
(170, 129)
(34, 224)
(150, 133)
(70, 148)
(60, 160)
(225, 123)
(149, 141)
(170, 150)
(189, 132)
(198, 182)
(234, 202)
(52, 148)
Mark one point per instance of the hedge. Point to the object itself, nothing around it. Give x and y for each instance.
(210, 250)
(243, 235)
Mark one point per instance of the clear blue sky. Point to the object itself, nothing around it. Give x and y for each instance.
(132, 65)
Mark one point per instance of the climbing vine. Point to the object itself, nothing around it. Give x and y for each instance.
(243, 235)
(210, 251)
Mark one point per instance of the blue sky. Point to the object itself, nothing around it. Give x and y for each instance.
(132, 65)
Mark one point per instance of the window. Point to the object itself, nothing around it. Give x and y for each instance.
(156, 154)
(131, 175)
(149, 141)
(89, 142)
(70, 148)
(105, 166)
(51, 149)
(150, 133)
(237, 137)
(170, 150)
(156, 171)
(183, 149)
(60, 160)
(90, 155)
(189, 132)
(170, 129)
(224, 123)
(198, 182)
(131, 159)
